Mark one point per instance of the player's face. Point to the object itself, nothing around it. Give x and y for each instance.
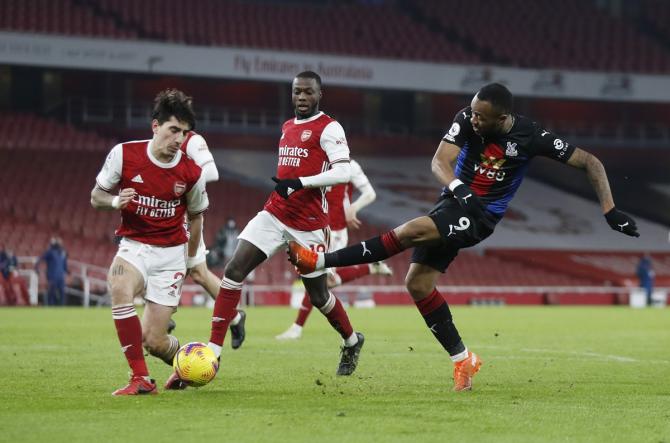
(169, 136)
(306, 95)
(486, 120)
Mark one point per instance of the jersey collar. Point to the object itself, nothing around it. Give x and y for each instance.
(160, 164)
(307, 120)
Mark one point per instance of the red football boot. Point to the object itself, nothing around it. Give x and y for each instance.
(138, 385)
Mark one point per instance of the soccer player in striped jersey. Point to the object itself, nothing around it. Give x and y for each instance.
(481, 162)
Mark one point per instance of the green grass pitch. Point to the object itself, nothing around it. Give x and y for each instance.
(550, 374)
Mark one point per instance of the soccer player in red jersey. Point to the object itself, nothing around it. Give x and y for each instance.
(342, 213)
(158, 186)
(313, 154)
(481, 162)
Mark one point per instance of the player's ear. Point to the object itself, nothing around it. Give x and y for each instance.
(154, 126)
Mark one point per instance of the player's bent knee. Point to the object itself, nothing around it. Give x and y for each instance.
(234, 273)
(417, 288)
(154, 344)
(319, 299)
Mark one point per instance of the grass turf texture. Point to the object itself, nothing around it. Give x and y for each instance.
(549, 374)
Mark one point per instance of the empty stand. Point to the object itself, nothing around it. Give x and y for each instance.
(576, 35)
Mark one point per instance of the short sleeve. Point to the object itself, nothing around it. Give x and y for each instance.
(358, 177)
(334, 142)
(547, 144)
(196, 199)
(198, 150)
(460, 128)
(110, 174)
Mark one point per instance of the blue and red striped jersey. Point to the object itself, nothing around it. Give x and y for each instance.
(495, 167)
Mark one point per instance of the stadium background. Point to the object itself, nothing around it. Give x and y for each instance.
(78, 76)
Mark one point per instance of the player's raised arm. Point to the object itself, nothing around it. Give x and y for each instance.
(595, 171)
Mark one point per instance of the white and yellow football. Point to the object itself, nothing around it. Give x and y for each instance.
(195, 364)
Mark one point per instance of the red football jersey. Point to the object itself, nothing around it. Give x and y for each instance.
(307, 147)
(165, 191)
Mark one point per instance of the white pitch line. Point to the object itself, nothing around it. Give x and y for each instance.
(610, 357)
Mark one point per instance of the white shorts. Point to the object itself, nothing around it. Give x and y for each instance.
(270, 235)
(338, 239)
(163, 269)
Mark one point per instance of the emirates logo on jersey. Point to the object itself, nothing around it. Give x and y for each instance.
(306, 134)
(179, 188)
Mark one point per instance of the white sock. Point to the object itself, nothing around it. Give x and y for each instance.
(237, 319)
(216, 348)
(351, 341)
(460, 356)
(296, 327)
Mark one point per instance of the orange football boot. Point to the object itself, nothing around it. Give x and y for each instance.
(464, 370)
(302, 258)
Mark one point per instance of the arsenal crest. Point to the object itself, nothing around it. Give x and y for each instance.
(179, 188)
(306, 134)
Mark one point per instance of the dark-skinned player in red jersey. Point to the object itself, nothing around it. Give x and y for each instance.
(481, 162)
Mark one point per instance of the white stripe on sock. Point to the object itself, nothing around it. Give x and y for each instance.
(227, 283)
(330, 304)
(120, 312)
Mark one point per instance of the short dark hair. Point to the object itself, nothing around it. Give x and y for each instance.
(498, 95)
(310, 74)
(173, 102)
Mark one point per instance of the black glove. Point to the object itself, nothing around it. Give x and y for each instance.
(469, 201)
(287, 186)
(621, 222)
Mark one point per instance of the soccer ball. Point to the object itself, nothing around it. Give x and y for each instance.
(195, 364)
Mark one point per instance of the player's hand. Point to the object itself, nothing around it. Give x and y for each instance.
(352, 221)
(621, 222)
(287, 186)
(469, 201)
(126, 196)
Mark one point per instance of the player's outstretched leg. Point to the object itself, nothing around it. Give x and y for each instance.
(369, 251)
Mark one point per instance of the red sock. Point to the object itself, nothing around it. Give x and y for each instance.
(349, 273)
(391, 243)
(304, 311)
(225, 309)
(430, 303)
(337, 317)
(129, 330)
